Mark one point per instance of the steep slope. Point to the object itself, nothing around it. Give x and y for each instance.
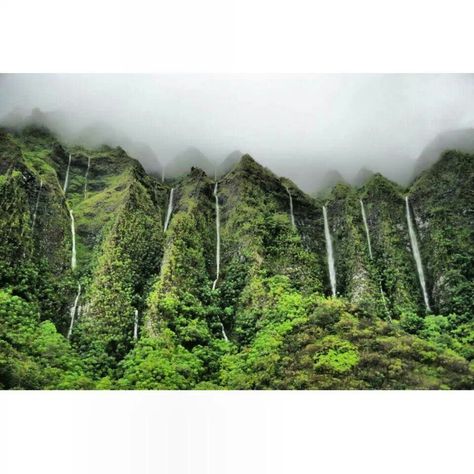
(356, 275)
(392, 253)
(118, 213)
(442, 200)
(34, 222)
(235, 292)
(115, 211)
(128, 258)
(258, 241)
(182, 290)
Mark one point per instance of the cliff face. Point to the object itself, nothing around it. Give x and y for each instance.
(149, 308)
(442, 198)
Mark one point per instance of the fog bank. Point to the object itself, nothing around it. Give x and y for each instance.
(300, 126)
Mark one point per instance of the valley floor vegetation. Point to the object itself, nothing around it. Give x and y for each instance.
(250, 286)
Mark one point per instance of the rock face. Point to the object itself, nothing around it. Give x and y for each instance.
(273, 297)
(442, 198)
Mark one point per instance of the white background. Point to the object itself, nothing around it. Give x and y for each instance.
(235, 432)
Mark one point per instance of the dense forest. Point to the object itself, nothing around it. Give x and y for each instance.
(111, 278)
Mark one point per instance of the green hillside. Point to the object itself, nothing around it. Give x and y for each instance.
(96, 294)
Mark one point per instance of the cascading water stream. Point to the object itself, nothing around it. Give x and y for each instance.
(291, 207)
(170, 209)
(135, 326)
(66, 179)
(72, 311)
(218, 252)
(86, 175)
(224, 335)
(73, 236)
(36, 206)
(364, 218)
(218, 238)
(416, 254)
(330, 253)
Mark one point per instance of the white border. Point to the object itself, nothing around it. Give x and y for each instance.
(236, 36)
(235, 432)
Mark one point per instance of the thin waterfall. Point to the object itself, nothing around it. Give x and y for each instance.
(170, 209)
(224, 335)
(72, 311)
(36, 205)
(163, 174)
(66, 179)
(291, 207)
(416, 254)
(86, 175)
(364, 218)
(135, 326)
(218, 252)
(330, 253)
(73, 235)
(218, 238)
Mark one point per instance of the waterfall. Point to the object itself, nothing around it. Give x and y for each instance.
(218, 253)
(66, 179)
(135, 326)
(291, 208)
(36, 205)
(218, 238)
(73, 234)
(224, 335)
(170, 209)
(72, 311)
(330, 254)
(86, 175)
(416, 254)
(163, 174)
(364, 218)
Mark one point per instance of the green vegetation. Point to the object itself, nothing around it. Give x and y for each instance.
(270, 322)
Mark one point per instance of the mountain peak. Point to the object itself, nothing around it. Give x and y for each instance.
(229, 163)
(247, 161)
(184, 161)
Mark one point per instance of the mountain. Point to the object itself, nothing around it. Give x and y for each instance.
(362, 176)
(461, 140)
(231, 160)
(236, 293)
(325, 182)
(191, 157)
(92, 136)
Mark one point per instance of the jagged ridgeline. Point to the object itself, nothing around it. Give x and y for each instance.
(112, 279)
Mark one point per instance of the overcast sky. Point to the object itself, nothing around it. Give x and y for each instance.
(286, 122)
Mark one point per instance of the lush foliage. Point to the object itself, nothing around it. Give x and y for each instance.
(148, 316)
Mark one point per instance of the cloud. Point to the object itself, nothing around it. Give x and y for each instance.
(298, 125)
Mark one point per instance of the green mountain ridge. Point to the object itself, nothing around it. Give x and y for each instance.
(270, 322)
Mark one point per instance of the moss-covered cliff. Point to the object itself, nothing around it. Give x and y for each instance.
(138, 306)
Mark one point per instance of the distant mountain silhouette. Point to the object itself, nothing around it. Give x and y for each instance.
(460, 140)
